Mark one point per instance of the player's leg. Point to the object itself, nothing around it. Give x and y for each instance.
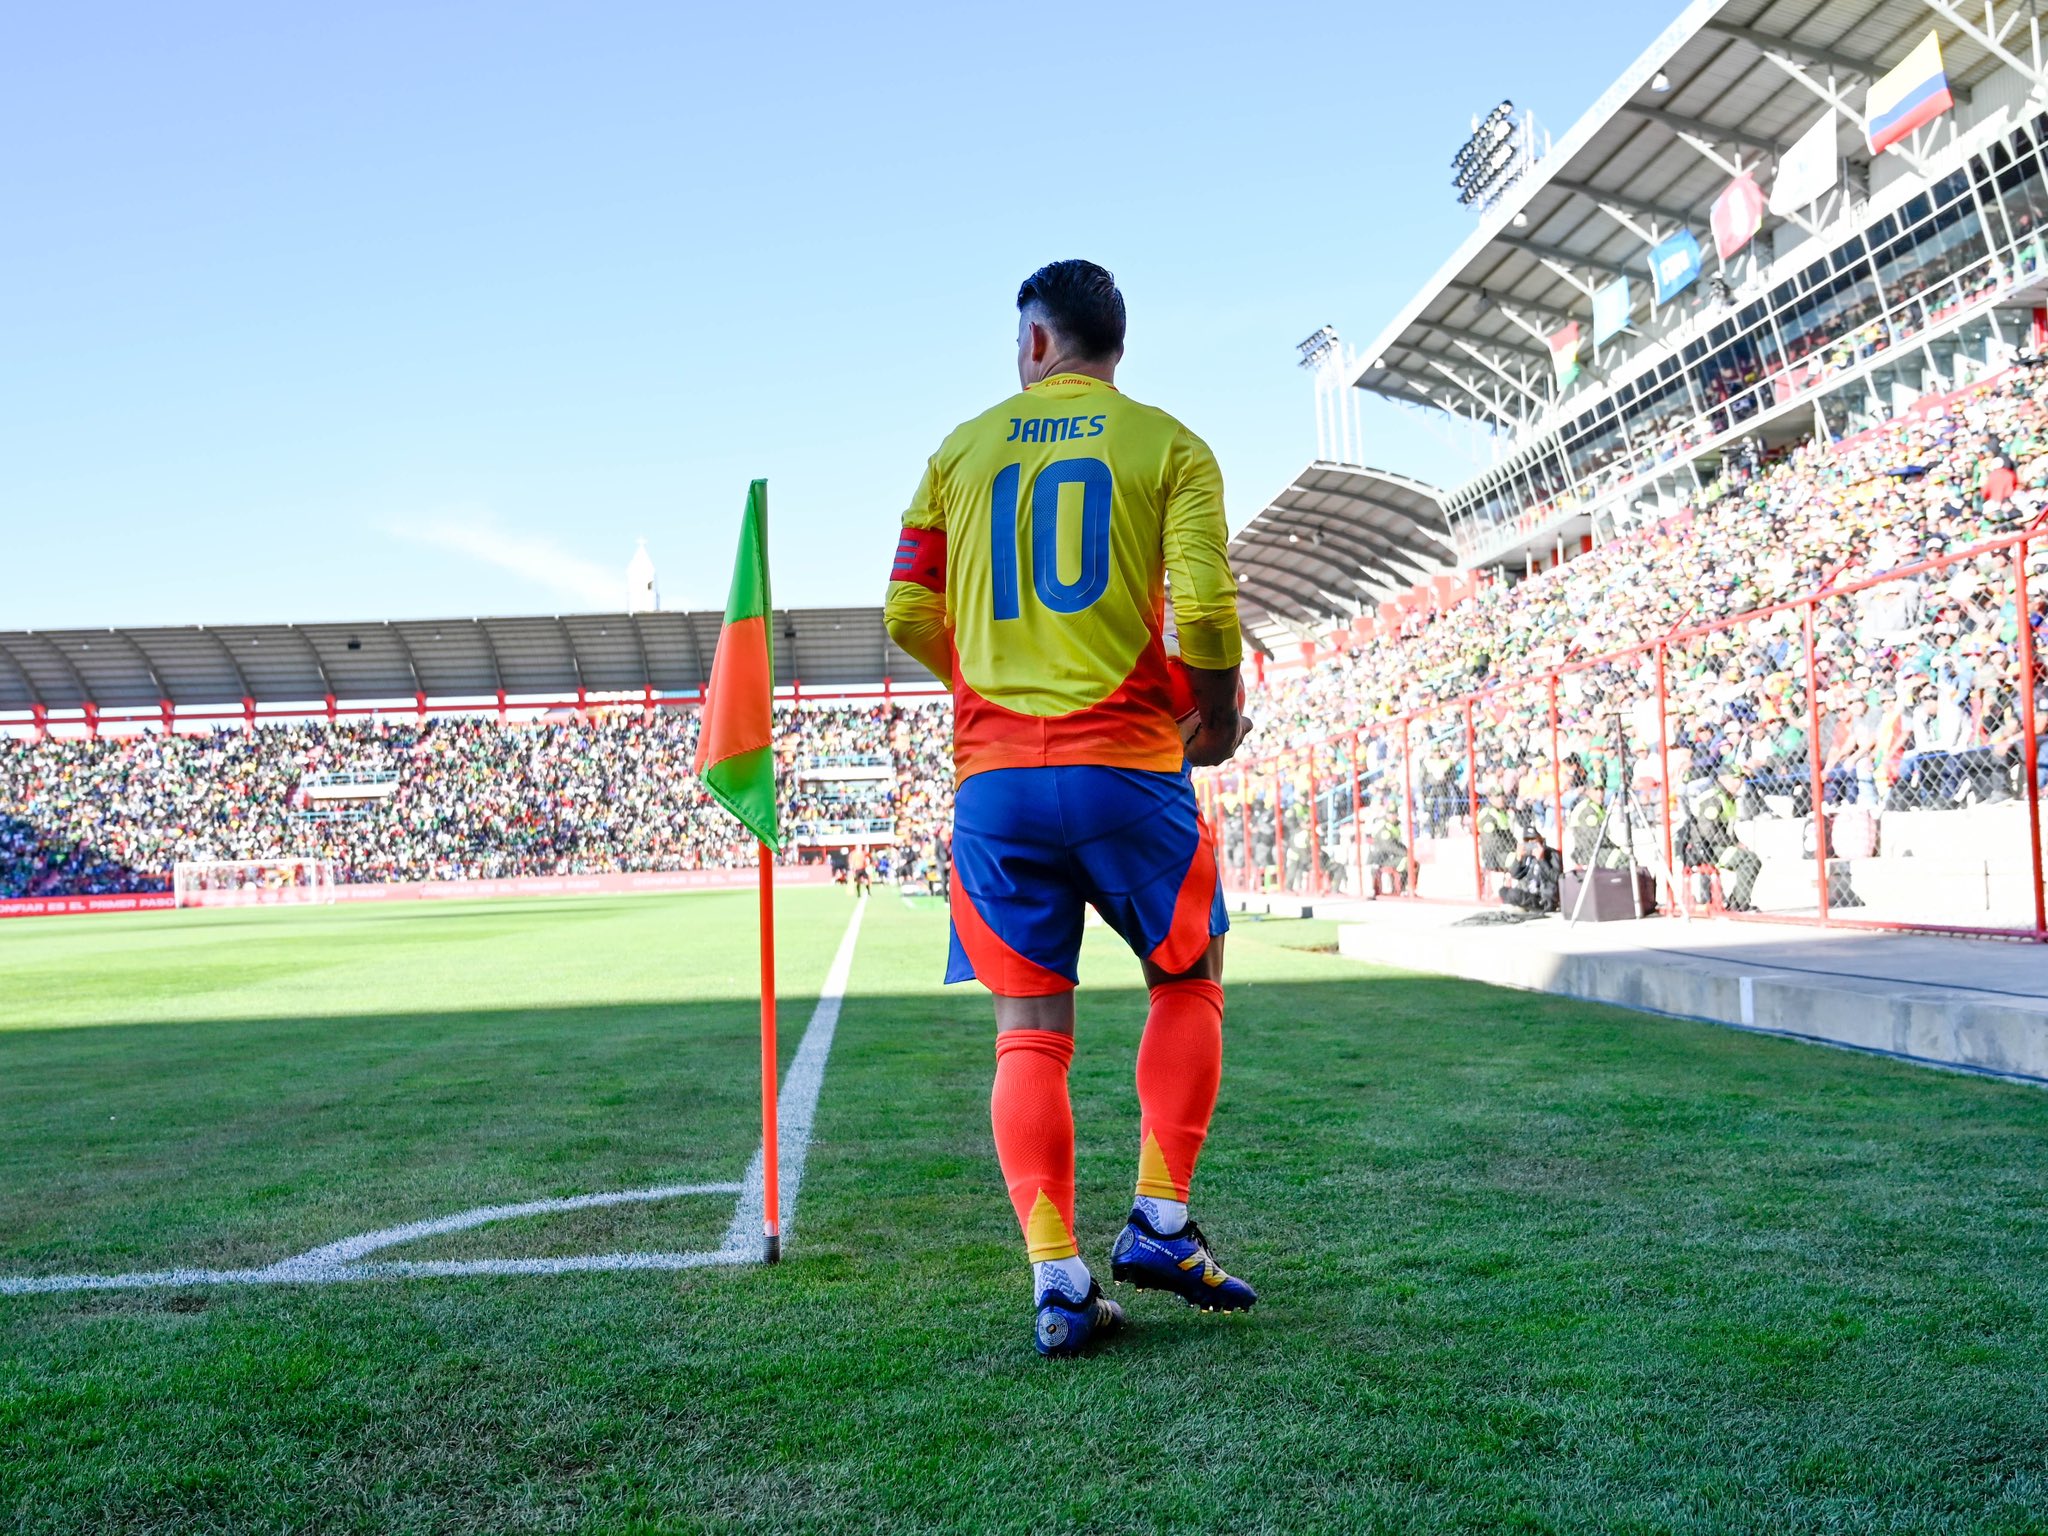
(1180, 1070)
(1017, 929)
(1033, 1120)
(1152, 869)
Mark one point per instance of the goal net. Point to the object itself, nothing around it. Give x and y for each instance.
(253, 882)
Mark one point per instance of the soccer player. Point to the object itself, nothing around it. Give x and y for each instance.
(1031, 577)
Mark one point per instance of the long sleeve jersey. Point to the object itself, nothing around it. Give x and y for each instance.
(1032, 576)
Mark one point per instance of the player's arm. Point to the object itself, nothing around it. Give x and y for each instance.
(1196, 538)
(916, 609)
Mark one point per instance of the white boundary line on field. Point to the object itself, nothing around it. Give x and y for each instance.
(349, 1259)
(795, 1108)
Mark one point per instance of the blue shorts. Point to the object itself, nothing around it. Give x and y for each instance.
(1033, 847)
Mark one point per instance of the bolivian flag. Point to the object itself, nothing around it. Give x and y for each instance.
(1564, 354)
(736, 746)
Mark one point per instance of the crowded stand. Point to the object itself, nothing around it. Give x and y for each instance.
(468, 797)
(1920, 683)
(1910, 491)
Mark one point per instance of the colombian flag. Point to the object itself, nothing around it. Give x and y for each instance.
(736, 746)
(1914, 93)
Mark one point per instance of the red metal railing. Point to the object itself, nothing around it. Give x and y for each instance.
(90, 719)
(1866, 756)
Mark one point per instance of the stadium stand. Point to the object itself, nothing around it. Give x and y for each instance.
(1818, 518)
(458, 797)
(1670, 668)
(1899, 556)
(1745, 580)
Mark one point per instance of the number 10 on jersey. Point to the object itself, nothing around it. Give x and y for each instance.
(1097, 492)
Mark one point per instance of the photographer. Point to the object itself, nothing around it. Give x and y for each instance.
(1537, 875)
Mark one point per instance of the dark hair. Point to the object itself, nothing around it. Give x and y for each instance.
(1080, 301)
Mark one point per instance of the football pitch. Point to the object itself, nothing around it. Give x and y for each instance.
(1525, 1264)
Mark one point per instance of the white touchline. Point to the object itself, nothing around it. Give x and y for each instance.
(349, 1259)
(795, 1108)
(340, 1261)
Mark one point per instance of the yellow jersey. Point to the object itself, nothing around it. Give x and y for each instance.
(1032, 576)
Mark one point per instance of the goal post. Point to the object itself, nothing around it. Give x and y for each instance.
(253, 882)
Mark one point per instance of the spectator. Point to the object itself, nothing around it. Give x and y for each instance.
(1707, 840)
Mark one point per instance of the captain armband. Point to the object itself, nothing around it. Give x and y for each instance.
(921, 558)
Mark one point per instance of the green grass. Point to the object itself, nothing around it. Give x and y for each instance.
(1526, 1265)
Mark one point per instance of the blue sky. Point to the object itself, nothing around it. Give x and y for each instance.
(377, 310)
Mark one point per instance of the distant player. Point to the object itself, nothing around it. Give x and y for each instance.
(1031, 577)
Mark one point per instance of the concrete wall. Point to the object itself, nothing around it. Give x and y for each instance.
(1941, 1026)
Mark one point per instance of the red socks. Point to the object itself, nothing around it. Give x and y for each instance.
(1180, 1066)
(1034, 1125)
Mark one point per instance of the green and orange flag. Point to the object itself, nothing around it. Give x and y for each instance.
(736, 745)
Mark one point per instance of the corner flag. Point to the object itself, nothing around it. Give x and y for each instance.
(736, 763)
(735, 749)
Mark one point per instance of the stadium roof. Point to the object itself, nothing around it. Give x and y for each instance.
(1745, 78)
(1333, 544)
(215, 664)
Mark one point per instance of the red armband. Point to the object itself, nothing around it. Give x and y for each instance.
(921, 558)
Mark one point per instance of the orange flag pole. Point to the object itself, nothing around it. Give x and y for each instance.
(771, 1181)
(736, 763)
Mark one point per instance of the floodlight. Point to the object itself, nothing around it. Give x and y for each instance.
(1492, 159)
(1317, 347)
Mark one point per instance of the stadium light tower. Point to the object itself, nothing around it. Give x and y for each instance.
(1501, 148)
(1339, 437)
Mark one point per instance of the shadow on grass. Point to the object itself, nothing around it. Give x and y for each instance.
(1524, 1262)
(231, 1142)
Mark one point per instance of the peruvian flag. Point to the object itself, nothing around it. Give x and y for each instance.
(1738, 215)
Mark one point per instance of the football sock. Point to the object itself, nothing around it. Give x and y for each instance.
(1166, 1216)
(1068, 1277)
(1034, 1126)
(1180, 1066)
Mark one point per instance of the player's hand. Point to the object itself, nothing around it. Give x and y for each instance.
(1217, 738)
(1213, 730)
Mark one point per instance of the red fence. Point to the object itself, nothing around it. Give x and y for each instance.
(1868, 756)
(91, 720)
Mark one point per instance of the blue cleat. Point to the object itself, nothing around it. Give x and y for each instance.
(1181, 1264)
(1067, 1327)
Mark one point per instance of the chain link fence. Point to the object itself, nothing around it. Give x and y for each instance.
(1867, 756)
